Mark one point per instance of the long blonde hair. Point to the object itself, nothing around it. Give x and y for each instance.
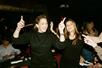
(66, 33)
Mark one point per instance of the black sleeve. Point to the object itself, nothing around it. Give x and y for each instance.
(81, 44)
(57, 43)
(23, 38)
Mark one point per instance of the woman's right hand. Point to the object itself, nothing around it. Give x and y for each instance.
(89, 41)
(21, 23)
(61, 26)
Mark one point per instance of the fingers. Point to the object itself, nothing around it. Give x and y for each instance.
(86, 38)
(22, 17)
(89, 41)
(84, 35)
(51, 24)
(51, 27)
(21, 23)
(62, 22)
(86, 41)
(64, 19)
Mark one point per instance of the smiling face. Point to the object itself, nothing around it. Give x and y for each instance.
(70, 26)
(42, 25)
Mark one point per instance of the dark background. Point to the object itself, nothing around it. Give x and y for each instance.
(79, 10)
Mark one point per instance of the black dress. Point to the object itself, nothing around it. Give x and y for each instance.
(41, 48)
(71, 54)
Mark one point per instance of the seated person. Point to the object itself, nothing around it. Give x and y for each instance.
(7, 51)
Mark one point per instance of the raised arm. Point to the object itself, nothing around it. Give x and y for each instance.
(59, 42)
(24, 37)
(61, 27)
(20, 25)
(51, 29)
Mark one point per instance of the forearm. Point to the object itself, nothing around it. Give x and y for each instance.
(16, 33)
(62, 37)
(98, 49)
(17, 51)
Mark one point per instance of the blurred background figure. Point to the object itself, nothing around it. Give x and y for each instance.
(90, 29)
(88, 52)
(7, 51)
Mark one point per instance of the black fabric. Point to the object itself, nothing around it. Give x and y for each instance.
(41, 48)
(71, 54)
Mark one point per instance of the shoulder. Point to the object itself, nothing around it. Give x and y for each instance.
(1, 46)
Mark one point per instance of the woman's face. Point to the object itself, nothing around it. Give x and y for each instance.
(70, 26)
(42, 25)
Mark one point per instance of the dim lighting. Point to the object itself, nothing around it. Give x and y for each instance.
(64, 6)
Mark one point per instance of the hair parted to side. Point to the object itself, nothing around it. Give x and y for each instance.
(77, 34)
(40, 17)
(37, 19)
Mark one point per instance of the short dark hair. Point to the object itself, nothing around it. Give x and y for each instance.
(6, 38)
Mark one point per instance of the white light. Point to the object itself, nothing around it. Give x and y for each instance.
(67, 6)
(64, 6)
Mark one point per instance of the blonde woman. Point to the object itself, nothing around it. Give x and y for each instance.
(73, 46)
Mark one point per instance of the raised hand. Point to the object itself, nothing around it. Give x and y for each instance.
(89, 41)
(61, 26)
(21, 23)
(51, 29)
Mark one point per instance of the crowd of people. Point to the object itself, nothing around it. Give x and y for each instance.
(77, 49)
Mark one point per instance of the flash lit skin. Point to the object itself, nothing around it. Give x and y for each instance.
(70, 26)
(42, 25)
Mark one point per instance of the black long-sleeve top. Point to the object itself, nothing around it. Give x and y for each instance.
(71, 54)
(41, 44)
